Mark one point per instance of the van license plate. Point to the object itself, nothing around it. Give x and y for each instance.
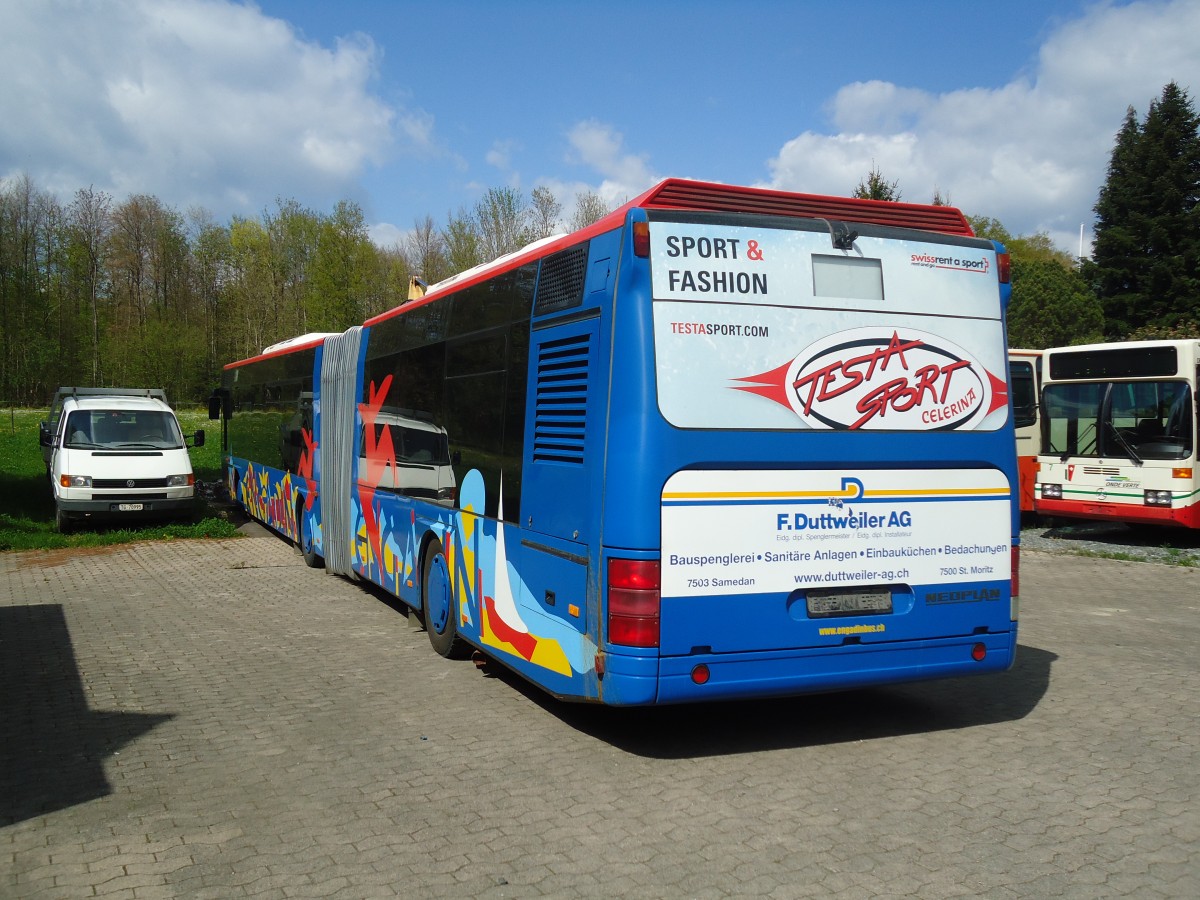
(129, 507)
(849, 603)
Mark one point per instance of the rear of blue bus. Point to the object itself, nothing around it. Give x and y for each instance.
(810, 468)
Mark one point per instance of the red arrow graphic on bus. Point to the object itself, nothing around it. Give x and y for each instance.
(877, 379)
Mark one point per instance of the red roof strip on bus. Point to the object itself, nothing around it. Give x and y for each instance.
(704, 196)
(282, 351)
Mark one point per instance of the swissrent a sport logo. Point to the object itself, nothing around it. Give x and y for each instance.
(981, 265)
(885, 380)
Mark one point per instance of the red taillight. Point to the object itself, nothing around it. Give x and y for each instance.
(641, 239)
(979, 653)
(1003, 267)
(633, 602)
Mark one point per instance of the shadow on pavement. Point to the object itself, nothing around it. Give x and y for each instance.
(677, 732)
(51, 745)
(746, 726)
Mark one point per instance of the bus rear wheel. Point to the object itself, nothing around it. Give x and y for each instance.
(437, 605)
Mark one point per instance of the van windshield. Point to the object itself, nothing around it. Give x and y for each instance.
(110, 429)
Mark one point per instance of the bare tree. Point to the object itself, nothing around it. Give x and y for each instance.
(425, 251)
(544, 214)
(589, 208)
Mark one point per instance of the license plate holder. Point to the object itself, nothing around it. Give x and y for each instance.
(129, 507)
(826, 603)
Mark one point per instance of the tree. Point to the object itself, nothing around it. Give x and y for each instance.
(1051, 305)
(211, 266)
(425, 251)
(1146, 259)
(876, 187)
(462, 242)
(131, 292)
(91, 218)
(293, 237)
(589, 207)
(341, 268)
(500, 220)
(544, 214)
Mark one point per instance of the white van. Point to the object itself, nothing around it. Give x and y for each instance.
(117, 453)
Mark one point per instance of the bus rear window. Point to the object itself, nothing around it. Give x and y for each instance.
(844, 276)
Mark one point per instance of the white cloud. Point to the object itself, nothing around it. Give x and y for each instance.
(500, 155)
(386, 235)
(1032, 153)
(200, 102)
(602, 148)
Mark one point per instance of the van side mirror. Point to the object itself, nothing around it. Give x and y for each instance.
(198, 438)
(43, 434)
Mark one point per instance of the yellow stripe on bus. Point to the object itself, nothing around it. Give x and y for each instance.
(796, 495)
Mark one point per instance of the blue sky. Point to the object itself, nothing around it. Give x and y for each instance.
(415, 109)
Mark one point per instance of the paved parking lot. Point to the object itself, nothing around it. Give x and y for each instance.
(213, 719)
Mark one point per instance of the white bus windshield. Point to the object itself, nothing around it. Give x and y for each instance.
(1136, 420)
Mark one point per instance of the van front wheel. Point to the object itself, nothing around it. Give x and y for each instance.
(62, 522)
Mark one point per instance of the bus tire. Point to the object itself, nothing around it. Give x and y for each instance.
(437, 605)
(304, 541)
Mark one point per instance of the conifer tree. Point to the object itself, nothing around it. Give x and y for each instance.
(876, 187)
(1146, 260)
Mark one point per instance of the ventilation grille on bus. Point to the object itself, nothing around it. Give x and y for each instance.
(681, 194)
(561, 403)
(560, 283)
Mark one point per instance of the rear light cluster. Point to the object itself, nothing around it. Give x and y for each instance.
(641, 239)
(1004, 268)
(634, 601)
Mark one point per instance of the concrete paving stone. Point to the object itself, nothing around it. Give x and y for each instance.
(124, 882)
(200, 891)
(155, 892)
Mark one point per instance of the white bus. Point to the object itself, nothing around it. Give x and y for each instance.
(1119, 433)
(1024, 385)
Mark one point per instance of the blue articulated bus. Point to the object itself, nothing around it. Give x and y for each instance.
(726, 442)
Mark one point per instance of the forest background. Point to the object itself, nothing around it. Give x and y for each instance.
(100, 292)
